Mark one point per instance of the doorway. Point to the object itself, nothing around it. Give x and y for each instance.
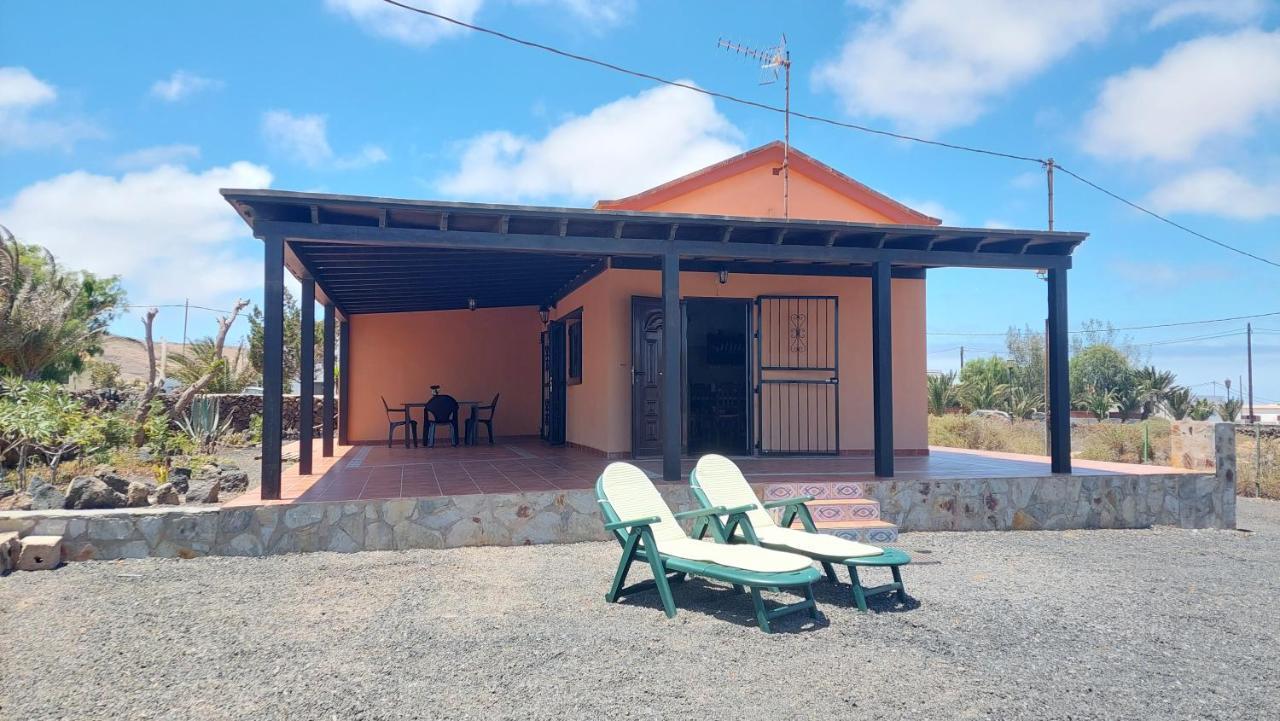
(717, 373)
(646, 377)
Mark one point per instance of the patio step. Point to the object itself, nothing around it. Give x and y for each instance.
(872, 532)
(845, 509)
(835, 490)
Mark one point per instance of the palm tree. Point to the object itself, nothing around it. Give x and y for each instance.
(1154, 385)
(1129, 400)
(1098, 401)
(942, 392)
(983, 392)
(1200, 410)
(202, 358)
(1022, 403)
(1229, 409)
(1177, 402)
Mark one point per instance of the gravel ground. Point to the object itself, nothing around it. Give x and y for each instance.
(1159, 623)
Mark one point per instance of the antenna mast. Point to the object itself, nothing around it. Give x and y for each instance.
(773, 62)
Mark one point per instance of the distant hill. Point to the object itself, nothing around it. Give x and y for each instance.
(130, 354)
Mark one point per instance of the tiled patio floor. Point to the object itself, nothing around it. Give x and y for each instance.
(511, 466)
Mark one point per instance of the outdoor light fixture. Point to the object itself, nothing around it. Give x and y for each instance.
(544, 315)
(724, 276)
(1042, 274)
(471, 303)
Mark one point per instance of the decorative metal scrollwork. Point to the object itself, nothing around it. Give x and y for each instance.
(798, 334)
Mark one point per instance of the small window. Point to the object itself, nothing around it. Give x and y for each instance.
(573, 333)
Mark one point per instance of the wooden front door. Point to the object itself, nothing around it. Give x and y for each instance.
(646, 377)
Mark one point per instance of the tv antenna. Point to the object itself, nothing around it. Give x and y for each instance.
(774, 61)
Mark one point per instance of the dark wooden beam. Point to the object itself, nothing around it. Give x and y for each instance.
(882, 366)
(326, 382)
(306, 375)
(272, 365)
(1059, 415)
(344, 382)
(571, 244)
(578, 281)
(672, 342)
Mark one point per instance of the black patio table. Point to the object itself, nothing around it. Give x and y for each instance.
(467, 438)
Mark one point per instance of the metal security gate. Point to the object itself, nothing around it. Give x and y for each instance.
(797, 376)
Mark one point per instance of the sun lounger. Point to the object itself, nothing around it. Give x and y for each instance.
(717, 482)
(637, 516)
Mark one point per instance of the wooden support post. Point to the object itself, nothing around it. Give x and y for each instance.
(1059, 417)
(326, 383)
(272, 364)
(307, 376)
(672, 336)
(344, 381)
(882, 365)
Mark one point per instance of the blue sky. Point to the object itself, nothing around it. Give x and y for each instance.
(118, 124)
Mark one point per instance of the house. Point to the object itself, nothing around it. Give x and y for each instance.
(688, 318)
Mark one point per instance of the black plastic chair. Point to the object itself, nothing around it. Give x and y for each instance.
(482, 414)
(410, 425)
(441, 411)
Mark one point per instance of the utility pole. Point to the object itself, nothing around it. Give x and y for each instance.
(1248, 333)
(1048, 171)
(961, 357)
(186, 310)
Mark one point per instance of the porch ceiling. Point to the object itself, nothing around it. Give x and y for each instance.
(370, 255)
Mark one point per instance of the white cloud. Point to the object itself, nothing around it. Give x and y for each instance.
(181, 84)
(929, 65)
(1218, 191)
(599, 13)
(166, 231)
(21, 93)
(305, 139)
(620, 148)
(410, 28)
(1201, 90)
(935, 209)
(175, 154)
(1228, 12)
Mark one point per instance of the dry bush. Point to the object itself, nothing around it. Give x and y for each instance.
(986, 434)
(1121, 443)
(1248, 482)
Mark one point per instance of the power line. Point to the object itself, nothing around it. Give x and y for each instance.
(712, 93)
(1126, 328)
(1191, 339)
(820, 119)
(173, 305)
(1163, 219)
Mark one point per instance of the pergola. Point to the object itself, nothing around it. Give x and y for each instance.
(358, 254)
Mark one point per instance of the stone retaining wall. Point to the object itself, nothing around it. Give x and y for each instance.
(1185, 500)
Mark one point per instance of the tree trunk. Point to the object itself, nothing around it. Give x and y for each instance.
(189, 393)
(144, 403)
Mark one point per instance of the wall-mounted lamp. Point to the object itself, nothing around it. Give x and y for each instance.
(1042, 274)
(471, 303)
(544, 315)
(723, 276)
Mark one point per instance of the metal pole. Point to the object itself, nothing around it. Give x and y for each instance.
(307, 376)
(786, 141)
(882, 366)
(1059, 415)
(1257, 461)
(186, 311)
(961, 357)
(1248, 329)
(326, 385)
(272, 364)
(671, 344)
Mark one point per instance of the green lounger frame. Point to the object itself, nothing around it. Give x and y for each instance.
(636, 538)
(736, 519)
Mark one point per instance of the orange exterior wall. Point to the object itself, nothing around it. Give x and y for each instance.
(471, 354)
(599, 409)
(758, 192)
